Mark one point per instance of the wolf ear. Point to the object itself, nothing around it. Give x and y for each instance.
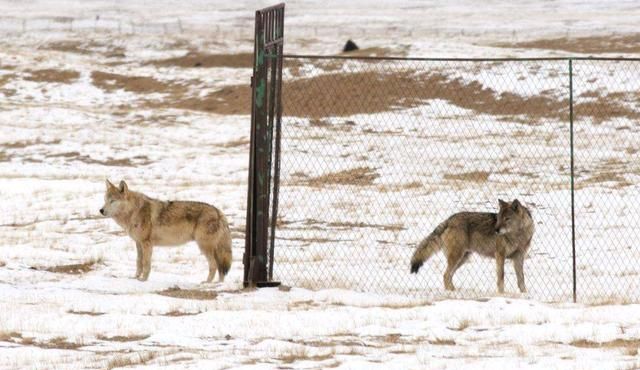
(502, 203)
(515, 205)
(123, 187)
(109, 184)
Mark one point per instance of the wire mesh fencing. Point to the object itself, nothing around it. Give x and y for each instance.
(607, 168)
(375, 153)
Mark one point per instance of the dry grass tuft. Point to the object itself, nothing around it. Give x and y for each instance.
(86, 313)
(72, 269)
(139, 160)
(474, 176)
(176, 292)
(617, 343)
(123, 338)
(138, 358)
(361, 176)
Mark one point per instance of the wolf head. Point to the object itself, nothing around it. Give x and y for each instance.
(511, 217)
(115, 200)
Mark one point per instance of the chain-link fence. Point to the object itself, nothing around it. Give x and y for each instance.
(377, 152)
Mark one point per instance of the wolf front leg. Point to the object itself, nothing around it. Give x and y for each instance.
(518, 266)
(147, 249)
(500, 269)
(138, 260)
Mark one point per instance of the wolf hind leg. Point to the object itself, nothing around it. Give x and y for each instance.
(207, 249)
(456, 255)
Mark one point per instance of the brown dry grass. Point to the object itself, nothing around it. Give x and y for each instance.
(139, 160)
(54, 343)
(361, 176)
(72, 269)
(123, 338)
(87, 313)
(614, 344)
(138, 358)
(587, 45)
(28, 143)
(474, 176)
(176, 292)
(370, 92)
(195, 59)
(52, 75)
(6, 78)
(85, 48)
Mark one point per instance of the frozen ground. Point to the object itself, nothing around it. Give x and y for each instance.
(100, 101)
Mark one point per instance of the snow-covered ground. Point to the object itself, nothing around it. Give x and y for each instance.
(67, 297)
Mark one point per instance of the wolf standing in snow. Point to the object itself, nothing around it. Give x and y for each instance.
(506, 234)
(151, 222)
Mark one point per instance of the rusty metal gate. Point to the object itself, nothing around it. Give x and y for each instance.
(266, 114)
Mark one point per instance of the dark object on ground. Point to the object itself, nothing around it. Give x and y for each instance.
(350, 46)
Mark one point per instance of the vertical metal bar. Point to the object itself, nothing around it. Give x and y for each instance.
(250, 220)
(276, 167)
(573, 218)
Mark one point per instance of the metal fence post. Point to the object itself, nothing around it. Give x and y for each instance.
(573, 218)
(265, 105)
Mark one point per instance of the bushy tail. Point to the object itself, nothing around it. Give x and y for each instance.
(222, 254)
(427, 247)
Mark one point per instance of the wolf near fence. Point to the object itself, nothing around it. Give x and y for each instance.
(390, 147)
(151, 222)
(506, 234)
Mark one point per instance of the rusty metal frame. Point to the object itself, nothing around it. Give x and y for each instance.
(264, 161)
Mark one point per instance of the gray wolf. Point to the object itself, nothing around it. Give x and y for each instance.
(506, 234)
(151, 222)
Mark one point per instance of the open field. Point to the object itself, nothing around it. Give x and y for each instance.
(367, 171)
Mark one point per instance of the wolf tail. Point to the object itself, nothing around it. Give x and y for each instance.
(427, 247)
(222, 254)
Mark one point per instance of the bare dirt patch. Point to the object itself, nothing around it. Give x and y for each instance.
(587, 45)
(52, 75)
(346, 94)
(85, 48)
(137, 84)
(228, 100)
(177, 292)
(195, 59)
(361, 176)
(67, 47)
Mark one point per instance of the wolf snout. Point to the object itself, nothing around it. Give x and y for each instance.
(102, 211)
